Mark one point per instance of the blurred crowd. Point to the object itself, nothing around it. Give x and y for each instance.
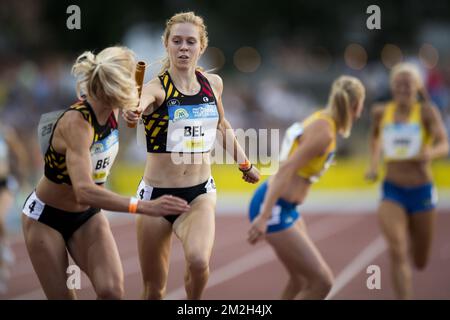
(270, 98)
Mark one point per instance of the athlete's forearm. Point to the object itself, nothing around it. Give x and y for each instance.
(230, 143)
(439, 150)
(98, 197)
(375, 152)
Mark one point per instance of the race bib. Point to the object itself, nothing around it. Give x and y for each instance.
(402, 141)
(45, 128)
(103, 154)
(192, 128)
(292, 134)
(326, 166)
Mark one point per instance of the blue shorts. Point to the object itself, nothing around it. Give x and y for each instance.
(284, 214)
(412, 199)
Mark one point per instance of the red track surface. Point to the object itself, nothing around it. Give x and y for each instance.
(241, 271)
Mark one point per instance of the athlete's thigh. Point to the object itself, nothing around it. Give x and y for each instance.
(94, 250)
(393, 222)
(196, 228)
(47, 251)
(154, 235)
(297, 251)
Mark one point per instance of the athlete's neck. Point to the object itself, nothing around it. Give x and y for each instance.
(102, 110)
(185, 80)
(404, 107)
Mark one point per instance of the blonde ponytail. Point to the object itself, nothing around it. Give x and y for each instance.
(346, 91)
(108, 77)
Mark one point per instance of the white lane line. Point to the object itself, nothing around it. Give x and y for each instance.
(320, 230)
(360, 262)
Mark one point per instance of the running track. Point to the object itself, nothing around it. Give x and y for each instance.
(348, 242)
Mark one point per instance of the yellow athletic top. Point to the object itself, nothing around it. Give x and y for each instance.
(318, 165)
(405, 140)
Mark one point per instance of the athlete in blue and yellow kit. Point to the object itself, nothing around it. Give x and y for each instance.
(409, 133)
(307, 151)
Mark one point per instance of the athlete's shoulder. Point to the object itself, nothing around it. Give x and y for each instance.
(153, 84)
(214, 79)
(73, 122)
(377, 110)
(429, 111)
(322, 128)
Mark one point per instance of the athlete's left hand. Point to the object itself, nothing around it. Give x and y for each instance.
(251, 176)
(257, 230)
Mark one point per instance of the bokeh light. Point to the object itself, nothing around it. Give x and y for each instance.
(247, 59)
(391, 55)
(355, 56)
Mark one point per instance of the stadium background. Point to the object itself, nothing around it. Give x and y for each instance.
(277, 61)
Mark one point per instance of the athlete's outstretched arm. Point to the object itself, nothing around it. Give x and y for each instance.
(435, 126)
(228, 138)
(375, 143)
(147, 101)
(315, 141)
(78, 135)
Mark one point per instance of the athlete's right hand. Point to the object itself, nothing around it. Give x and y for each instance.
(131, 116)
(163, 206)
(257, 230)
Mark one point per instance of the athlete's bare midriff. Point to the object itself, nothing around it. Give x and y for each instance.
(296, 190)
(409, 173)
(176, 170)
(61, 196)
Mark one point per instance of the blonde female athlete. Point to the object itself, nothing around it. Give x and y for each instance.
(409, 133)
(63, 213)
(307, 151)
(182, 110)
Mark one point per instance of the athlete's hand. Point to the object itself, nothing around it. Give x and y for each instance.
(257, 230)
(131, 116)
(371, 175)
(163, 206)
(252, 176)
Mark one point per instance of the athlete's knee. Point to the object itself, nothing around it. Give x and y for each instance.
(110, 291)
(295, 283)
(197, 263)
(322, 283)
(398, 252)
